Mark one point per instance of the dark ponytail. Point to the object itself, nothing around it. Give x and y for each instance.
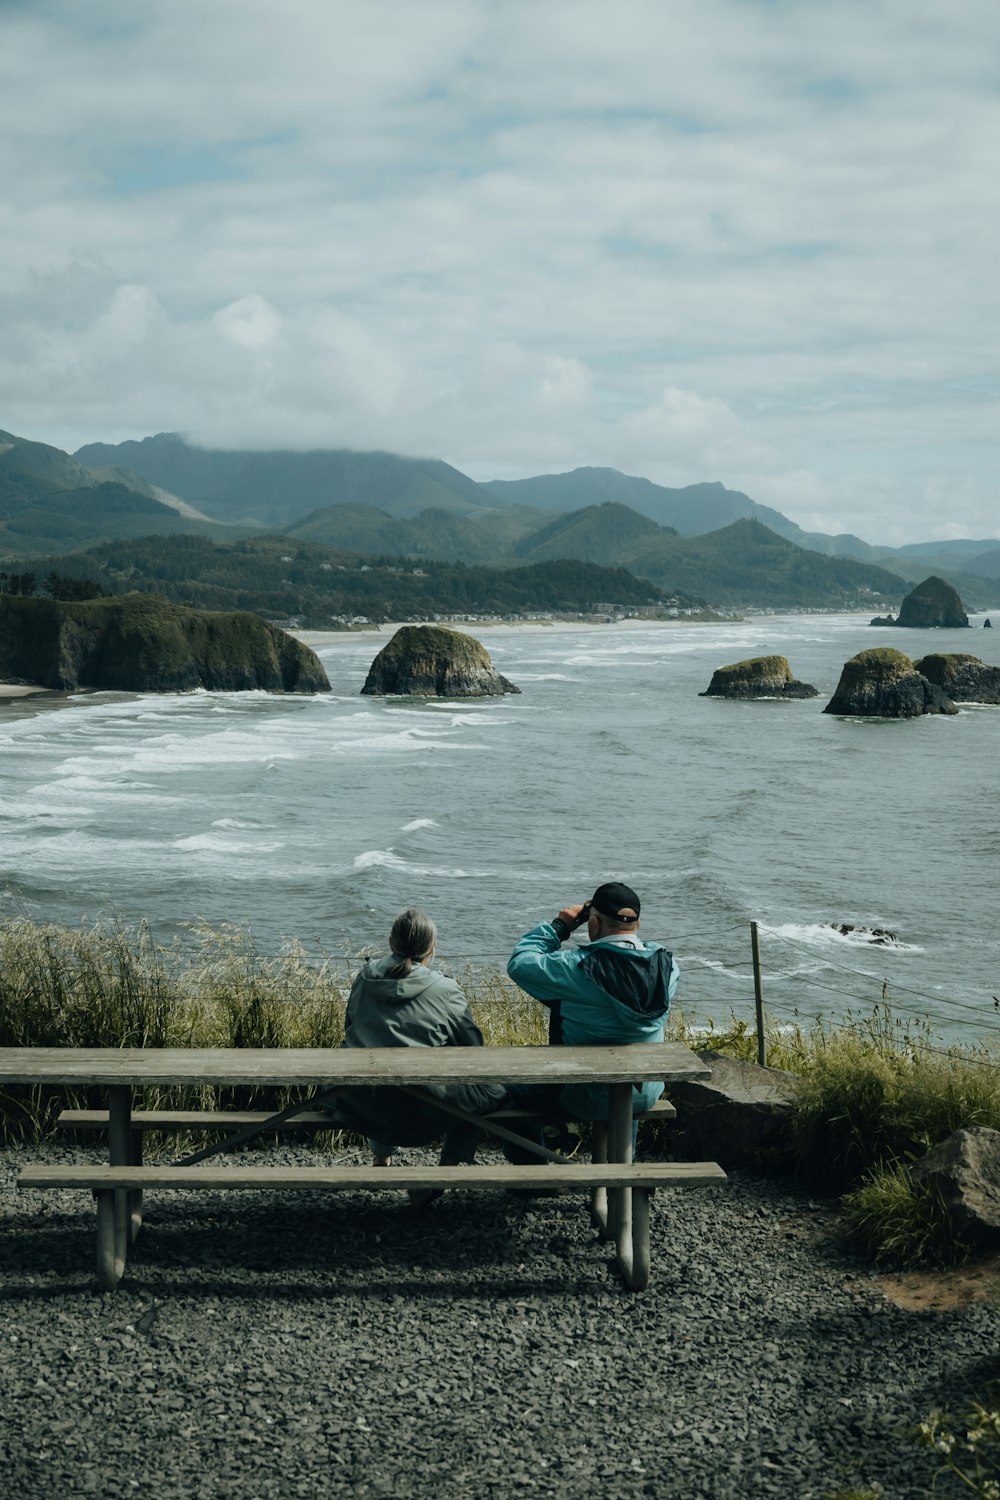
(412, 937)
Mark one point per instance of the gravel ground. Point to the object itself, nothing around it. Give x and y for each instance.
(274, 1345)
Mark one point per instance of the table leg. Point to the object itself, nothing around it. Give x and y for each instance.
(599, 1195)
(121, 1152)
(619, 1150)
(628, 1210)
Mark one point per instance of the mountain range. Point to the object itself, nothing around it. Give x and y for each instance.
(703, 540)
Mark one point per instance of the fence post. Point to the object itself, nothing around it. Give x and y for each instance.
(758, 995)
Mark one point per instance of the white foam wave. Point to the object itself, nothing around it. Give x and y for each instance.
(823, 935)
(207, 843)
(419, 823)
(233, 824)
(386, 859)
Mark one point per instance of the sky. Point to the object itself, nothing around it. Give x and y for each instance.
(753, 241)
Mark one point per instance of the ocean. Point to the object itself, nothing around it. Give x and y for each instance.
(319, 818)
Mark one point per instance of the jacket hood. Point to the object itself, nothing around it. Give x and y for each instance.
(638, 978)
(397, 991)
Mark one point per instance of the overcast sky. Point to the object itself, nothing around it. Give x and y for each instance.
(746, 240)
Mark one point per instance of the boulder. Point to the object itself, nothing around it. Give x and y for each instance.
(139, 643)
(965, 679)
(932, 605)
(879, 937)
(964, 1171)
(758, 677)
(428, 661)
(883, 683)
(738, 1117)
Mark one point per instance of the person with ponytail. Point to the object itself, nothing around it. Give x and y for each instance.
(400, 1001)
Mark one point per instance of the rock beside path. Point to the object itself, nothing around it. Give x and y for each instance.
(758, 677)
(964, 1171)
(739, 1115)
(428, 661)
(883, 683)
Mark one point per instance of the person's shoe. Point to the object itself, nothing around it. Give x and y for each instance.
(382, 1161)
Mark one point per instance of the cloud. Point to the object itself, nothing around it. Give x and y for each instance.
(712, 240)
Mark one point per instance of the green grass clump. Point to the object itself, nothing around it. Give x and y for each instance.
(896, 1220)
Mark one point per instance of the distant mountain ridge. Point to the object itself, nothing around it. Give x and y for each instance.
(278, 488)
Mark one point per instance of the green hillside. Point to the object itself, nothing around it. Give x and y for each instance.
(600, 533)
(49, 502)
(478, 537)
(746, 564)
(283, 578)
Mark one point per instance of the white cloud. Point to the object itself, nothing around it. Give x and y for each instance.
(704, 240)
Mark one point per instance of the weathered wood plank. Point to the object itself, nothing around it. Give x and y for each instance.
(209, 1119)
(330, 1067)
(583, 1175)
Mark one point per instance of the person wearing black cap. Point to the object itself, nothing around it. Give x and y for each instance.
(616, 989)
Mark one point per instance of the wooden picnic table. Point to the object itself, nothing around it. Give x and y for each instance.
(120, 1071)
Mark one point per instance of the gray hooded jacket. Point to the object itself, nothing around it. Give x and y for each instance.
(422, 1009)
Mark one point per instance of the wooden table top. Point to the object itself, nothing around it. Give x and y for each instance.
(332, 1066)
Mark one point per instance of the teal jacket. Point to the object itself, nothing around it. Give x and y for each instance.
(608, 991)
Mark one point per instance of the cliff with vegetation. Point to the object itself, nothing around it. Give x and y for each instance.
(426, 661)
(140, 643)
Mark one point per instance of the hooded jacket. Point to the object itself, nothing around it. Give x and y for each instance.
(611, 992)
(421, 1009)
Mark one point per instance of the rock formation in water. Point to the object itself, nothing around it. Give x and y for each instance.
(759, 677)
(140, 643)
(884, 684)
(932, 605)
(965, 679)
(428, 661)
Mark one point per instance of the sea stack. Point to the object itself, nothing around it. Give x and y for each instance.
(428, 661)
(758, 677)
(932, 605)
(965, 679)
(140, 643)
(884, 684)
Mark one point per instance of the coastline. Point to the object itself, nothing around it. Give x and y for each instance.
(483, 627)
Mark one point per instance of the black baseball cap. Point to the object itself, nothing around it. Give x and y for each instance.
(616, 900)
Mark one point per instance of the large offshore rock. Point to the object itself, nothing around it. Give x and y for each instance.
(140, 643)
(932, 605)
(738, 1117)
(884, 684)
(758, 677)
(428, 661)
(965, 679)
(964, 1171)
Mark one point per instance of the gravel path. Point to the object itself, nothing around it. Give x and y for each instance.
(267, 1345)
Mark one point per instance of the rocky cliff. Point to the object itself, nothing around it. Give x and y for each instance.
(428, 661)
(932, 605)
(758, 677)
(140, 643)
(884, 684)
(965, 679)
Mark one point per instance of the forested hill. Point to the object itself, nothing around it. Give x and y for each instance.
(281, 578)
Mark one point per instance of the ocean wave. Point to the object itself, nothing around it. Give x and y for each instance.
(208, 843)
(419, 823)
(386, 859)
(825, 935)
